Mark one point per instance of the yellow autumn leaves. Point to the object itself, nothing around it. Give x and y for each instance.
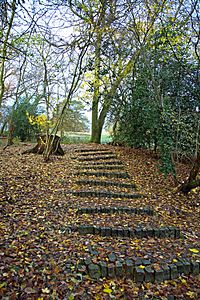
(193, 250)
(41, 121)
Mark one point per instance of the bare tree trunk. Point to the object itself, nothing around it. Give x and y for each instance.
(10, 134)
(3, 127)
(96, 95)
(193, 181)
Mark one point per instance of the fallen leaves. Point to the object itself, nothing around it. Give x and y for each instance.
(107, 290)
(40, 260)
(193, 250)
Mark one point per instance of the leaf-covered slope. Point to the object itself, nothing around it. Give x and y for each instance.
(39, 258)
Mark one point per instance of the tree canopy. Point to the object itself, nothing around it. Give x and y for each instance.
(125, 60)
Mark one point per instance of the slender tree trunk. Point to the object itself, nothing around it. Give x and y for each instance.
(4, 52)
(10, 134)
(3, 127)
(96, 95)
(74, 84)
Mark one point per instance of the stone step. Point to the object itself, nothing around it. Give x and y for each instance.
(139, 231)
(106, 183)
(102, 167)
(91, 150)
(103, 174)
(96, 163)
(120, 209)
(107, 194)
(97, 153)
(140, 270)
(100, 157)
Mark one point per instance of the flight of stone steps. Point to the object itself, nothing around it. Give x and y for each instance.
(104, 188)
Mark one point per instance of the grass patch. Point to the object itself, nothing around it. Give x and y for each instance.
(83, 138)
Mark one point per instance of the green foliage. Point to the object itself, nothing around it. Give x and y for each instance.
(160, 110)
(166, 144)
(22, 127)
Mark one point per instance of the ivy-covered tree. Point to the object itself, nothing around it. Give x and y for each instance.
(161, 100)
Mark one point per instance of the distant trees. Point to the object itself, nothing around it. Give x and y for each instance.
(137, 62)
(74, 118)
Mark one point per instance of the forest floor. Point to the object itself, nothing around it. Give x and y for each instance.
(39, 255)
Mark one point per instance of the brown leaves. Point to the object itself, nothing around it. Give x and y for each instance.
(38, 259)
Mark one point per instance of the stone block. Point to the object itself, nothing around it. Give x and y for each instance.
(138, 262)
(90, 229)
(145, 210)
(146, 262)
(180, 267)
(98, 210)
(156, 232)
(171, 297)
(111, 210)
(159, 274)
(103, 231)
(104, 269)
(85, 229)
(114, 232)
(150, 232)
(120, 232)
(195, 268)
(151, 212)
(171, 232)
(115, 209)
(94, 271)
(173, 271)
(162, 232)
(133, 210)
(139, 275)
(104, 210)
(97, 230)
(129, 268)
(187, 267)
(131, 233)
(177, 233)
(138, 232)
(167, 232)
(108, 231)
(126, 232)
(166, 272)
(149, 274)
(111, 270)
(119, 269)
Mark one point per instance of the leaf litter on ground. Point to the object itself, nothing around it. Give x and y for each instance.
(35, 204)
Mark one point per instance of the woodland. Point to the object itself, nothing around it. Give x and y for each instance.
(94, 220)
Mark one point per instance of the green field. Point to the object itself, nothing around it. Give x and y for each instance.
(83, 137)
